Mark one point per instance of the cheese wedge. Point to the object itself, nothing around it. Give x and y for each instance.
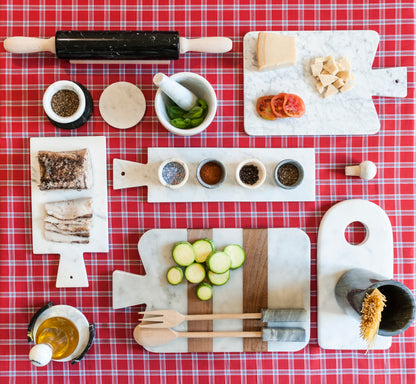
(275, 51)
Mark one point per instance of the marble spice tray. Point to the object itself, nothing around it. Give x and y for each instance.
(275, 274)
(128, 174)
(350, 113)
(71, 270)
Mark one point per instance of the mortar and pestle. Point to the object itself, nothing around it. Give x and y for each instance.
(400, 309)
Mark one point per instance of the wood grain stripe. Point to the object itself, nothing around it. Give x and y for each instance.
(196, 306)
(255, 283)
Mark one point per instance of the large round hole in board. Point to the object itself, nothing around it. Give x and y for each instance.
(355, 233)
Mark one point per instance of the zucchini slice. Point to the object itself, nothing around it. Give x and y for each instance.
(203, 249)
(174, 275)
(183, 253)
(219, 262)
(204, 291)
(237, 255)
(218, 278)
(195, 273)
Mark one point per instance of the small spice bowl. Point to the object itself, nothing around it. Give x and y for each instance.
(211, 173)
(173, 173)
(67, 104)
(288, 174)
(250, 173)
(201, 88)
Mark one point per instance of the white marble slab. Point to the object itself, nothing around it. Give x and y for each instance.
(351, 113)
(336, 329)
(288, 277)
(71, 270)
(128, 174)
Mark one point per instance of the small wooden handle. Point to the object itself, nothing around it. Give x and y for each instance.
(219, 316)
(206, 44)
(22, 44)
(200, 335)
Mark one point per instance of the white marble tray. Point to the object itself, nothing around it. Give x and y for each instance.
(71, 270)
(288, 283)
(128, 174)
(351, 113)
(336, 256)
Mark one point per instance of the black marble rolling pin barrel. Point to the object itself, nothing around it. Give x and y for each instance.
(117, 45)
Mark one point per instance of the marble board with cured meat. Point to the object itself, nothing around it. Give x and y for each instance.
(350, 113)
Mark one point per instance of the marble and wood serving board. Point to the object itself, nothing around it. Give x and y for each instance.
(276, 274)
(336, 256)
(350, 113)
(71, 270)
(128, 174)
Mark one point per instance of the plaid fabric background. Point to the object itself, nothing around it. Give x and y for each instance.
(27, 281)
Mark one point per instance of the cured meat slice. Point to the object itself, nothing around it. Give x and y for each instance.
(68, 221)
(70, 209)
(65, 170)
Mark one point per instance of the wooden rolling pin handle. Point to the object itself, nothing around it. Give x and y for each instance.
(206, 44)
(22, 44)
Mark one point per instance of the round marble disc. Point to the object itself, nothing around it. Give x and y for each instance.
(122, 105)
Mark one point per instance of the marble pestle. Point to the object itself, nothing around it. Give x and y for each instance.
(181, 95)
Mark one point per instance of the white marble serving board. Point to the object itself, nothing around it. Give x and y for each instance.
(336, 256)
(128, 174)
(288, 283)
(71, 270)
(350, 113)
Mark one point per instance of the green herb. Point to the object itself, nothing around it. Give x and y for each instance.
(191, 119)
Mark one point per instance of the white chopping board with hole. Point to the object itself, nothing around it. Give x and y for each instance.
(287, 263)
(71, 269)
(350, 113)
(127, 174)
(336, 256)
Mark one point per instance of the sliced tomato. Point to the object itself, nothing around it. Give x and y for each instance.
(293, 105)
(277, 105)
(264, 108)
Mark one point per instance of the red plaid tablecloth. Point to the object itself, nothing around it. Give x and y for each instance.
(27, 281)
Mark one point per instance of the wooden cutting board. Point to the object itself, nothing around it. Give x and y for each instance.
(71, 270)
(351, 113)
(276, 274)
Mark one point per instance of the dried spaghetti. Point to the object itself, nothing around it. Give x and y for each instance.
(373, 305)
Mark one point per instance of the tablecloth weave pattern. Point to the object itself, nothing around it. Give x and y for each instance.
(28, 281)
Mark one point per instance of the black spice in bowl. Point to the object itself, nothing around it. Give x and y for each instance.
(288, 174)
(251, 173)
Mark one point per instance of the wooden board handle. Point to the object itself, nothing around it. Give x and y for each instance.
(22, 44)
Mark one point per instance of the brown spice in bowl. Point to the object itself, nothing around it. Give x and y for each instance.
(65, 102)
(211, 173)
(288, 174)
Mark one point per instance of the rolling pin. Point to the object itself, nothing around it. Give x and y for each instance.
(117, 46)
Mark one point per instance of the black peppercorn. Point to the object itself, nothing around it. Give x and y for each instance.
(249, 174)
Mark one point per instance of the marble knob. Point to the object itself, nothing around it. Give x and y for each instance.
(181, 95)
(366, 170)
(40, 355)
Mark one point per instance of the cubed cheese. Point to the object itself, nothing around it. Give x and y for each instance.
(327, 79)
(338, 83)
(316, 68)
(345, 64)
(275, 51)
(346, 87)
(331, 66)
(330, 90)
